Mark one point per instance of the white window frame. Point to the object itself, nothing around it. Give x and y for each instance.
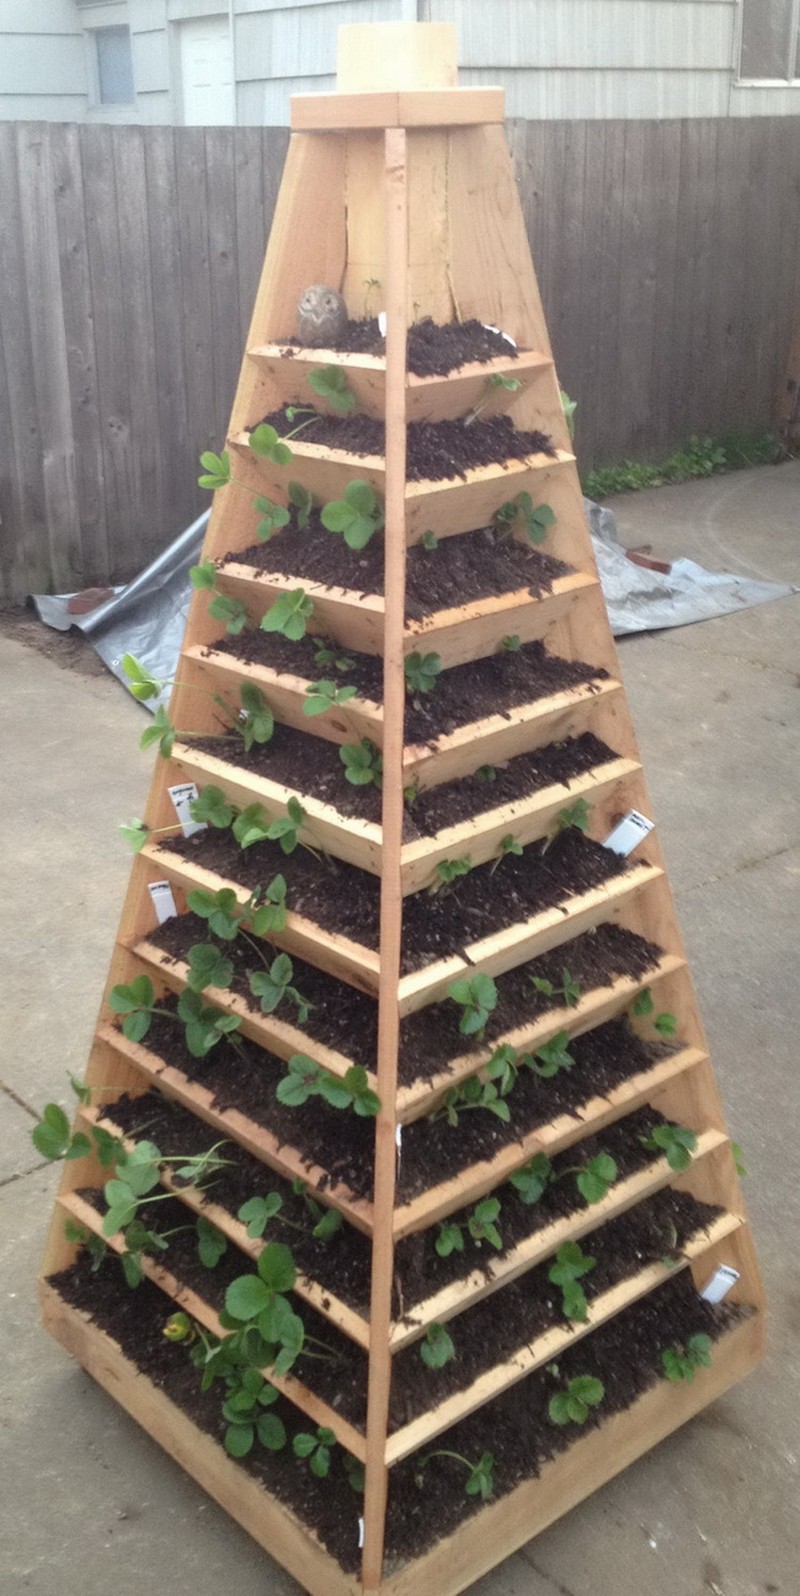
(792, 78)
(94, 17)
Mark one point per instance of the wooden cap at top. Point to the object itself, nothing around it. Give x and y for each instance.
(376, 56)
(396, 74)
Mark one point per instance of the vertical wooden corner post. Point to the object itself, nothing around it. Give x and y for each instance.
(402, 181)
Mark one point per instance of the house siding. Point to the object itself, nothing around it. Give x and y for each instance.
(556, 59)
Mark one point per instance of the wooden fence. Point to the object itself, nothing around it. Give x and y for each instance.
(129, 258)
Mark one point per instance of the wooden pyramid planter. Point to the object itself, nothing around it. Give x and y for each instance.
(514, 994)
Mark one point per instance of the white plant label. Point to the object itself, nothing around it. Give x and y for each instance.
(182, 796)
(499, 330)
(632, 830)
(163, 902)
(382, 323)
(360, 1533)
(398, 1141)
(722, 1281)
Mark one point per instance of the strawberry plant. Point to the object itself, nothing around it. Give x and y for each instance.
(357, 516)
(422, 672)
(569, 990)
(315, 1450)
(273, 985)
(330, 383)
(570, 1266)
(363, 764)
(436, 1349)
(665, 1024)
(480, 1475)
(573, 1404)
(676, 1141)
(204, 1026)
(448, 871)
(323, 696)
(289, 615)
(481, 1226)
(682, 1360)
(305, 1079)
(521, 513)
(476, 997)
(495, 381)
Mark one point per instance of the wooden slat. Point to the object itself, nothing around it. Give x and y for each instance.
(534, 1354)
(197, 1308)
(147, 466)
(54, 536)
(287, 695)
(79, 335)
(271, 1524)
(413, 108)
(472, 1183)
(500, 1271)
(230, 1122)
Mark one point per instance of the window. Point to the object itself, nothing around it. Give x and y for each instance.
(769, 40)
(114, 66)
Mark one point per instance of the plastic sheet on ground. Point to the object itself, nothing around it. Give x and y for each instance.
(148, 616)
(640, 600)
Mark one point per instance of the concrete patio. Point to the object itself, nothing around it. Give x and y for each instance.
(87, 1498)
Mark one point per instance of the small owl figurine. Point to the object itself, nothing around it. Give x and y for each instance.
(321, 317)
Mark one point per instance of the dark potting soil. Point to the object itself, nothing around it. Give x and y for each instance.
(345, 900)
(433, 349)
(435, 450)
(463, 694)
(345, 1019)
(245, 1077)
(312, 765)
(484, 1335)
(458, 571)
(342, 1265)
(624, 1354)
(135, 1320)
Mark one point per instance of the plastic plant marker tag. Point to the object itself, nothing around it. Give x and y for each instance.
(382, 323)
(501, 334)
(722, 1281)
(163, 902)
(182, 796)
(632, 830)
(360, 1533)
(398, 1141)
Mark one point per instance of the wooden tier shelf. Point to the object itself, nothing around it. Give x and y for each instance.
(457, 635)
(411, 191)
(184, 1297)
(454, 1562)
(499, 1270)
(417, 1213)
(444, 507)
(359, 842)
(494, 953)
(231, 1123)
(321, 1298)
(270, 1523)
(427, 398)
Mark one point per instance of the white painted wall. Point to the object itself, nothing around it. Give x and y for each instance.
(554, 58)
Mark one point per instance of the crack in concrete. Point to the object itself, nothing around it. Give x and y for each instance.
(20, 1101)
(738, 870)
(555, 1584)
(22, 1174)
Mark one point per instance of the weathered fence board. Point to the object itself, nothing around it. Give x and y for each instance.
(129, 256)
